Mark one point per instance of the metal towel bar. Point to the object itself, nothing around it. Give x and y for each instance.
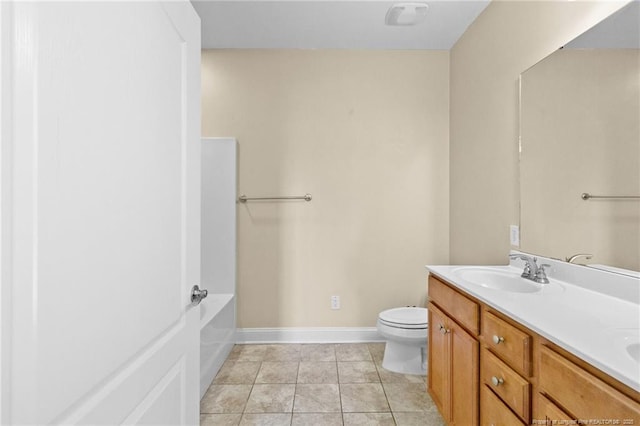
(586, 196)
(244, 198)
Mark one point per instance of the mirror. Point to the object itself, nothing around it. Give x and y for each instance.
(580, 133)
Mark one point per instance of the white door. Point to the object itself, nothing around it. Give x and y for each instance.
(100, 193)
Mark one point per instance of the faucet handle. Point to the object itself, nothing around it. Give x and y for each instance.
(541, 276)
(526, 273)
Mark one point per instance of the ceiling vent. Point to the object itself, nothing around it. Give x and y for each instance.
(406, 14)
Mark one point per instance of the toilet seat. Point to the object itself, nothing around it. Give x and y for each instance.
(408, 318)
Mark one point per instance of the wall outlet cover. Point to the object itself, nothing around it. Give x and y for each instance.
(514, 235)
(335, 302)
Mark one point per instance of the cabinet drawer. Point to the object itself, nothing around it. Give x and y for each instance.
(464, 310)
(508, 342)
(506, 383)
(493, 412)
(582, 394)
(547, 413)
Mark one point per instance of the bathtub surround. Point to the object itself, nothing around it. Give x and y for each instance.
(219, 160)
(366, 133)
(506, 39)
(218, 252)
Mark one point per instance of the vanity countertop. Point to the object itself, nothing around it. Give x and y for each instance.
(593, 325)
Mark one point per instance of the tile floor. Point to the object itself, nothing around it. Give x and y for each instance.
(315, 385)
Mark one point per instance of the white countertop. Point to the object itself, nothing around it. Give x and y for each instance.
(593, 325)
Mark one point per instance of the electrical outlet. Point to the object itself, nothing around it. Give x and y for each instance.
(335, 302)
(514, 235)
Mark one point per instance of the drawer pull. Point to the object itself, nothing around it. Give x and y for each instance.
(498, 339)
(443, 329)
(497, 381)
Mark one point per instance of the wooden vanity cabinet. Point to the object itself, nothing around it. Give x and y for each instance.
(453, 366)
(485, 368)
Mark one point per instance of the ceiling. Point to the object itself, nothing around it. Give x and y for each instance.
(338, 24)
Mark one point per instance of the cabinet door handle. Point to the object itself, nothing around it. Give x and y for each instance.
(497, 381)
(443, 329)
(498, 339)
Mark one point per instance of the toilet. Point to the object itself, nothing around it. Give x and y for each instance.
(405, 330)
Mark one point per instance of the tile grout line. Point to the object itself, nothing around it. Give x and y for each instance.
(295, 389)
(384, 390)
(339, 386)
(244, 410)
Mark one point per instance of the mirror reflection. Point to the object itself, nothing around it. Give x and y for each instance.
(580, 133)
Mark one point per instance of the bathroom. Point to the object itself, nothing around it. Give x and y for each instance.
(389, 157)
(414, 164)
(365, 144)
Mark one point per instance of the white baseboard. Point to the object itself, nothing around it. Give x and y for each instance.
(308, 335)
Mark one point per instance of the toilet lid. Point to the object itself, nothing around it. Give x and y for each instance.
(405, 317)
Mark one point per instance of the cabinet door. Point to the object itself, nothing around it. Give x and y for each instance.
(464, 377)
(547, 413)
(439, 361)
(493, 412)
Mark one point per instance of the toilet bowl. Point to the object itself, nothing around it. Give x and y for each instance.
(405, 330)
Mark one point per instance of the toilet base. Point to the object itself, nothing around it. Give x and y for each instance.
(405, 359)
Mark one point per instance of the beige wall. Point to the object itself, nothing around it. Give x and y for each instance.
(507, 38)
(366, 133)
(581, 133)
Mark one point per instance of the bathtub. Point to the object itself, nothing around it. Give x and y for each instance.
(217, 335)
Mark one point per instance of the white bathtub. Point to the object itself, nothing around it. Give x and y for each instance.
(217, 335)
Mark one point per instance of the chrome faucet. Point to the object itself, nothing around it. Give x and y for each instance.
(578, 256)
(531, 270)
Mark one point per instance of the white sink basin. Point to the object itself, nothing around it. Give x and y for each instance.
(627, 341)
(634, 351)
(504, 280)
